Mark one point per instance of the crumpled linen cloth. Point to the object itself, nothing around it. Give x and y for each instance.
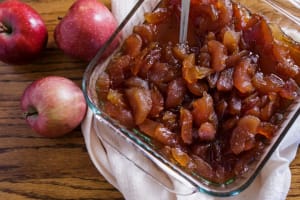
(272, 183)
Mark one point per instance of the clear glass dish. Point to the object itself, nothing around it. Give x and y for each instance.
(280, 12)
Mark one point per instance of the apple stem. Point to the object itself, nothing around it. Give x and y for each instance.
(4, 29)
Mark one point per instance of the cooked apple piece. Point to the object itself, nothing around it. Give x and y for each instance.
(286, 65)
(211, 15)
(149, 126)
(267, 129)
(153, 56)
(191, 72)
(234, 105)
(251, 101)
(225, 81)
(117, 69)
(180, 51)
(212, 79)
(170, 120)
(123, 115)
(135, 81)
(175, 93)
(140, 102)
(203, 109)
(255, 111)
(290, 90)
(268, 110)
(103, 85)
(146, 31)
(180, 156)
(241, 16)
(158, 131)
(231, 40)
(267, 83)
(116, 98)
(197, 88)
(204, 59)
(243, 136)
(245, 160)
(241, 78)
(218, 55)
(133, 45)
(235, 58)
(207, 131)
(202, 167)
(186, 124)
(157, 102)
(230, 123)
(157, 17)
(168, 55)
(162, 73)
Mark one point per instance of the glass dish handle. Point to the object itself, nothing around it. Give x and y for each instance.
(193, 190)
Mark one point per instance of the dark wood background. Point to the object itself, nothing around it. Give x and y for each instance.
(33, 167)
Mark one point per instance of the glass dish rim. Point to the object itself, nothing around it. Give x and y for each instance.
(288, 122)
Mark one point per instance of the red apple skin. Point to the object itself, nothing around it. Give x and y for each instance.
(28, 36)
(53, 106)
(84, 29)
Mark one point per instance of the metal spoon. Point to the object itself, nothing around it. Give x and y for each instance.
(184, 20)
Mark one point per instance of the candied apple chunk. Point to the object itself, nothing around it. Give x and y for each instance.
(290, 90)
(266, 129)
(197, 88)
(133, 45)
(157, 102)
(157, 17)
(218, 54)
(158, 131)
(203, 109)
(234, 105)
(140, 102)
(123, 115)
(181, 157)
(103, 85)
(207, 131)
(191, 72)
(202, 167)
(225, 82)
(243, 136)
(268, 83)
(231, 40)
(175, 93)
(162, 73)
(147, 32)
(186, 123)
(241, 78)
(136, 81)
(116, 98)
(117, 69)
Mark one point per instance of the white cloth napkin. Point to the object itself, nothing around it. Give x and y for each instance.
(273, 183)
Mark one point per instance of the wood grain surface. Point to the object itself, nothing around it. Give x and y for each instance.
(33, 167)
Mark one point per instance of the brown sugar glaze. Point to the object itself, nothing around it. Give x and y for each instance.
(214, 103)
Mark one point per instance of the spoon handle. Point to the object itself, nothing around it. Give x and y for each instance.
(184, 20)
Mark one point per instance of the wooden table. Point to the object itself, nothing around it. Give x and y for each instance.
(33, 167)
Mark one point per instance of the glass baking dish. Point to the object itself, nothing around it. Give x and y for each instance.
(127, 142)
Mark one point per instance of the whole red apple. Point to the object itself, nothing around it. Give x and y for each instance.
(53, 106)
(23, 34)
(84, 29)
